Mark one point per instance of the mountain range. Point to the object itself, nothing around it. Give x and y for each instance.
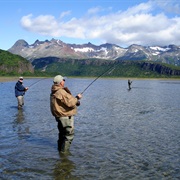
(169, 54)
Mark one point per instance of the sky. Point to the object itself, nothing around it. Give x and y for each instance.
(120, 22)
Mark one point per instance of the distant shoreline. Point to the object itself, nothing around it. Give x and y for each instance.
(7, 79)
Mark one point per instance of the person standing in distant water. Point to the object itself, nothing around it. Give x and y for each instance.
(20, 92)
(63, 107)
(129, 83)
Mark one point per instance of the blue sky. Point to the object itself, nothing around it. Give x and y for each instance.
(121, 22)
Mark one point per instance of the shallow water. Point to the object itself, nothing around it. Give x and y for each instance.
(119, 134)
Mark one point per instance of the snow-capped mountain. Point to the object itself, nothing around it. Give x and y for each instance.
(56, 48)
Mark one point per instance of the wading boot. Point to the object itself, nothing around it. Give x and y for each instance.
(65, 146)
(59, 143)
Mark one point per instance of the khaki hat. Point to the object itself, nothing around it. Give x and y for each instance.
(58, 79)
(21, 79)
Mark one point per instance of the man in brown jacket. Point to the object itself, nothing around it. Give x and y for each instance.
(63, 107)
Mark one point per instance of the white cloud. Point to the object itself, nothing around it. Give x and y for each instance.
(63, 14)
(94, 10)
(171, 6)
(44, 25)
(136, 25)
(141, 8)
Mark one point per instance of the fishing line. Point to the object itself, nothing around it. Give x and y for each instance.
(99, 77)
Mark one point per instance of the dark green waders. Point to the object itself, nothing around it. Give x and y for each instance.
(66, 132)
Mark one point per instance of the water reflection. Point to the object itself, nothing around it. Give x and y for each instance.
(19, 117)
(64, 168)
(20, 126)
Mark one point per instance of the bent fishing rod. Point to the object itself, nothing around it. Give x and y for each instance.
(98, 78)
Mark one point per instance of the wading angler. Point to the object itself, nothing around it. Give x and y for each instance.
(20, 92)
(63, 107)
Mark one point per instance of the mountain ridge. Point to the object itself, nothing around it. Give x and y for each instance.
(169, 54)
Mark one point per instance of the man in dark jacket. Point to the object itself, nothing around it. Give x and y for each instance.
(20, 92)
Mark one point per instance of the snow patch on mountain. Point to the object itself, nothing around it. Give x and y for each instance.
(84, 49)
(157, 48)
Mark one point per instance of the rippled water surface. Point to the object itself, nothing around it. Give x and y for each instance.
(119, 134)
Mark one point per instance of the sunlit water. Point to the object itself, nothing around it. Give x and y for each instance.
(119, 134)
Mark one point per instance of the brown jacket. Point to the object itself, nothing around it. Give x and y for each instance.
(62, 103)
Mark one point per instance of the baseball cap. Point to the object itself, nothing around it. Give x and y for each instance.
(58, 79)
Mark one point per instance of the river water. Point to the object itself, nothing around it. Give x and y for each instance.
(119, 134)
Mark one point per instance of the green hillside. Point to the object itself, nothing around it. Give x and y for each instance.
(95, 67)
(11, 64)
(10, 59)
(119, 70)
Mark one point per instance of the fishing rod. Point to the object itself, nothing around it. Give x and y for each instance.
(36, 82)
(98, 78)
